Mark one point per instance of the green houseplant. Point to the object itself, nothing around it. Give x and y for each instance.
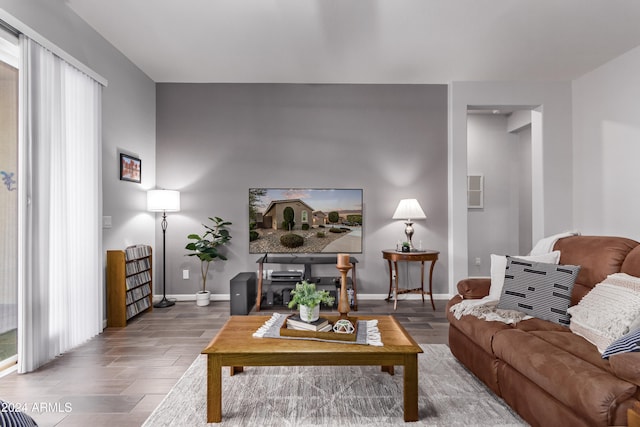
(308, 299)
(206, 247)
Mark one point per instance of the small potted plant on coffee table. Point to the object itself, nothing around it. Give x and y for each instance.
(308, 299)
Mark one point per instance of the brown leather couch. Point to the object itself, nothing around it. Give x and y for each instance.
(547, 374)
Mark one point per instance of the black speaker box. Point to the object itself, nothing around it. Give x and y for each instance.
(270, 298)
(243, 290)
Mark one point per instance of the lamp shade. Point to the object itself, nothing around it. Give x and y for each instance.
(409, 209)
(163, 200)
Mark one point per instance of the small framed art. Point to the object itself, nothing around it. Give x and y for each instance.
(130, 168)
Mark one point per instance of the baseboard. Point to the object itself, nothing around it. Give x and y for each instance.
(192, 297)
(402, 297)
(362, 297)
(9, 366)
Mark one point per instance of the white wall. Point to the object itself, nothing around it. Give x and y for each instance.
(128, 119)
(525, 241)
(553, 184)
(128, 115)
(499, 147)
(519, 123)
(606, 128)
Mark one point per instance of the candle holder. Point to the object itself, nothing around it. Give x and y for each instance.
(343, 302)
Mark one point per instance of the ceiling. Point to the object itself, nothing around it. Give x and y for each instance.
(365, 41)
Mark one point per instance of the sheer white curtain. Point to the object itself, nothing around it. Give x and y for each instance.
(61, 298)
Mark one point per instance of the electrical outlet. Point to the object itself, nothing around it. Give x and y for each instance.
(185, 274)
(478, 261)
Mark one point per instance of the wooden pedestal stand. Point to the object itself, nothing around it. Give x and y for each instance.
(343, 302)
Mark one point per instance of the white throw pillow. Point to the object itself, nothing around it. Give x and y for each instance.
(608, 311)
(499, 264)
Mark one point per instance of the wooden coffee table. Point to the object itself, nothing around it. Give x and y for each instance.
(235, 346)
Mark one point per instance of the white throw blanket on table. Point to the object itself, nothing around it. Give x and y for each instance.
(368, 332)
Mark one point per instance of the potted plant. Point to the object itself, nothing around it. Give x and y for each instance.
(205, 247)
(308, 299)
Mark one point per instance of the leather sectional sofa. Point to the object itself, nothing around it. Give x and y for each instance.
(547, 374)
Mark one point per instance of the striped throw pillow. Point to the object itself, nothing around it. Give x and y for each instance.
(624, 344)
(11, 416)
(539, 289)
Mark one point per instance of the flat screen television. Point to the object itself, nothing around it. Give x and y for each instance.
(305, 220)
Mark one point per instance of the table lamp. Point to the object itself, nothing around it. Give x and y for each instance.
(409, 209)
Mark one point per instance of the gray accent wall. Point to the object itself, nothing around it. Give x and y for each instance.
(215, 141)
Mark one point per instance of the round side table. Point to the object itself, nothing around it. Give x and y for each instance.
(392, 256)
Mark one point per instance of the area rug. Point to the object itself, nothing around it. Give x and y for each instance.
(336, 396)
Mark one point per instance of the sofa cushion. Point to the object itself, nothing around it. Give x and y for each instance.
(538, 289)
(535, 324)
(576, 383)
(499, 265)
(626, 366)
(631, 264)
(576, 345)
(477, 330)
(608, 311)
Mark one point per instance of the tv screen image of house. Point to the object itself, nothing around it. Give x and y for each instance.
(305, 220)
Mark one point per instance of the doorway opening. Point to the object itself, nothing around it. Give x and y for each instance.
(502, 158)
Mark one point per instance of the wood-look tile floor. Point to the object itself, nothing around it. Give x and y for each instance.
(120, 376)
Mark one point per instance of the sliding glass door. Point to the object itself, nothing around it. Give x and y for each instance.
(8, 200)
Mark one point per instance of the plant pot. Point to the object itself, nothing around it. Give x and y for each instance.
(305, 312)
(202, 298)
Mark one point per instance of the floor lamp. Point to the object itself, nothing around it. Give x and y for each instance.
(163, 201)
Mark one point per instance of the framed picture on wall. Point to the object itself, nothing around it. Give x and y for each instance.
(130, 168)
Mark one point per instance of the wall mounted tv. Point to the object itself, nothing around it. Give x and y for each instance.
(305, 220)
